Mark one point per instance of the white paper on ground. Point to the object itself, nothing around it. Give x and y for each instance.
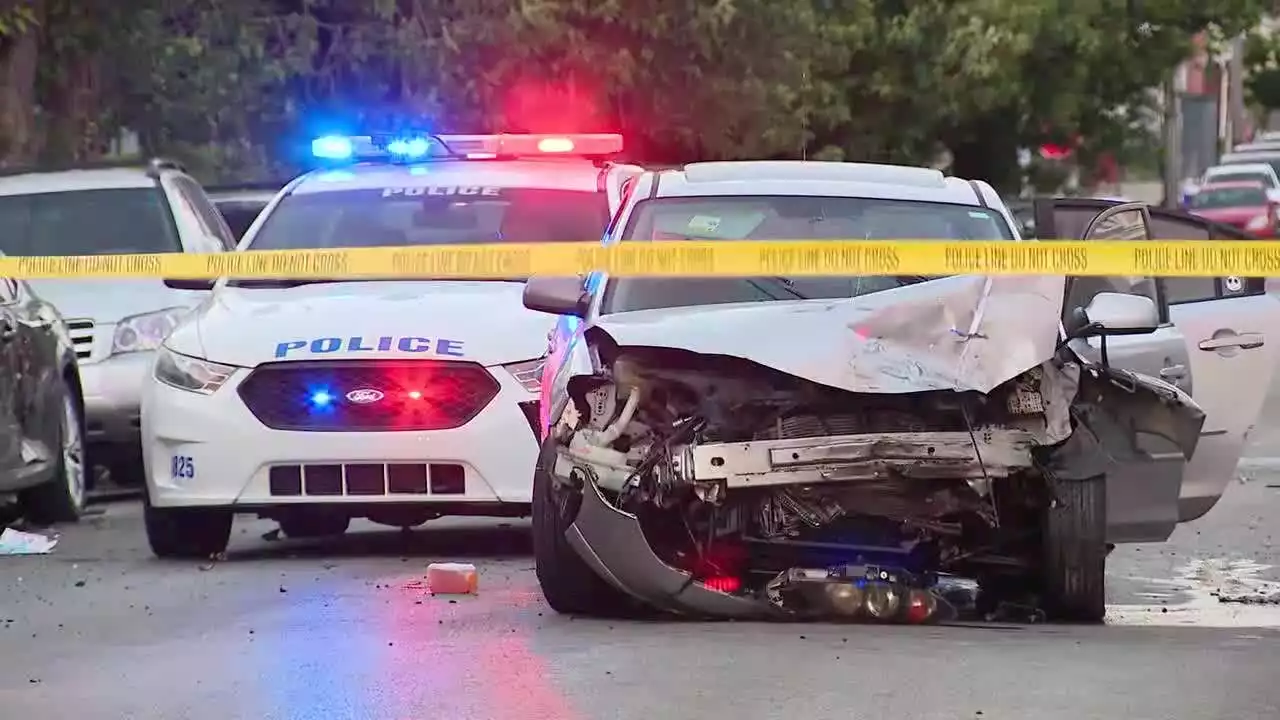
(16, 542)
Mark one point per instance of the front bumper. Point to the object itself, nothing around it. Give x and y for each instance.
(113, 397)
(612, 542)
(209, 450)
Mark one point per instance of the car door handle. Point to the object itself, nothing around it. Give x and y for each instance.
(1173, 372)
(1248, 341)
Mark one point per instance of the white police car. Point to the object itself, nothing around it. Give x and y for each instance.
(316, 401)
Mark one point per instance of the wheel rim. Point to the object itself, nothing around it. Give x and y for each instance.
(73, 469)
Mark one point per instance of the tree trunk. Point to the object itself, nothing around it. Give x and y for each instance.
(987, 149)
(19, 57)
(75, 131)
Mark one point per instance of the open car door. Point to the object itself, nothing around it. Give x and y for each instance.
(1219, 342)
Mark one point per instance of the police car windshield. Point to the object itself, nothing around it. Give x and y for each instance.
(787, 218)
(447, 215)
(116, 221)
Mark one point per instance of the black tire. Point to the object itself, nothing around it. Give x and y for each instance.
(570, 586)
(126, 473)
(55, 500)
(306, 525)
(186, 533)
(1075, 552)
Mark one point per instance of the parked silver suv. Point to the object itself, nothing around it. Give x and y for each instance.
(115, 324)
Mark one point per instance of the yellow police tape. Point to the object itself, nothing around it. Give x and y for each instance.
(689, 259)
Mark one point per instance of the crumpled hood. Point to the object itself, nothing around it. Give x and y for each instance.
(956, 333)
(482, 322)
(110, 300)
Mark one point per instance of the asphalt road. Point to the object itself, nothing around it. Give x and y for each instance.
(345, 629)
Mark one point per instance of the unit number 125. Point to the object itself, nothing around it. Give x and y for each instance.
(183, 468)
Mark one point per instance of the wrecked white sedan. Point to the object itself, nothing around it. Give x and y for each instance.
(841, 447)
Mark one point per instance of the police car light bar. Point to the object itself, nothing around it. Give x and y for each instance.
(507, 145)
(352, 148)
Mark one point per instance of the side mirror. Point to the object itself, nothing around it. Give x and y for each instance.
(556, 295)
(189, 283)
(1111, 314)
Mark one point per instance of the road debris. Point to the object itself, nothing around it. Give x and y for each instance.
(452, 579)
(17, 542)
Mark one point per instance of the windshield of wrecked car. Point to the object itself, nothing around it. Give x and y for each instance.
(787, 218)
(115, 221)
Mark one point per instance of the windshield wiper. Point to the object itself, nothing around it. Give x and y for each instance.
(780, 282)
(298, 282)
(280, 282)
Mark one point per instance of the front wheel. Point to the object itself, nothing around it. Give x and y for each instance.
(62, 498)
(1075, 551)
(186, 533)
(570, 586)
(305, 525)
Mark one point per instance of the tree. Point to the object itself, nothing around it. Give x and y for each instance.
(19, 56)
(236, 86)
(985, 77)
(1262, 70)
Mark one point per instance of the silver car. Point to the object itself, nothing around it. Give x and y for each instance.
(114, 324)
(854, 447)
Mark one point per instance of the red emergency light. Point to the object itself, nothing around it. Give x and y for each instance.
(594, 145)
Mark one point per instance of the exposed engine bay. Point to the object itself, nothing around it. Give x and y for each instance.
(713, 485)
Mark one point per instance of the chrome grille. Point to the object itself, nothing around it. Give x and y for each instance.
(81, 337)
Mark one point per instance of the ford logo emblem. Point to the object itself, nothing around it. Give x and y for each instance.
(365, 396)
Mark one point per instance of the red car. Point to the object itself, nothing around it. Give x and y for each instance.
(1244, 204)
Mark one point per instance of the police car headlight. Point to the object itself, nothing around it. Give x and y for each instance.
(141, 333)
(528, 373)
(192, 374)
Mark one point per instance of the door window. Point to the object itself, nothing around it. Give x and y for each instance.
(1182, 290)
(1118, 223)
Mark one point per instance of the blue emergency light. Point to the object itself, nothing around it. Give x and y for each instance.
(354, 148)
(414, 147)
(332, 147)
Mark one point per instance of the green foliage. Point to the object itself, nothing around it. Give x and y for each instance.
(1262, 61)
(17, 19)
(233, 86)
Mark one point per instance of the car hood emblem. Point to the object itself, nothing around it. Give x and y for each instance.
(364, 396)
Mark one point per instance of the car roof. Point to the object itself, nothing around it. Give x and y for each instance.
(1235, 158)
(1235, 168)
(1232, 184)
(35, 182)
(821, 179)
(1257, 146)
(547, 174)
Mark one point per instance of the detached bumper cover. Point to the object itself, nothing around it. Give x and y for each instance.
(612, 543)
